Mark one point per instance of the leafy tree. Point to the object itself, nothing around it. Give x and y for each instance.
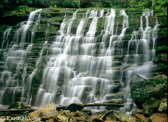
(161, 7)
(145, 3)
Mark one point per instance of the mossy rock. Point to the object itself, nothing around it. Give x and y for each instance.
(115, 101)
(151, 106)
(48, 111)
(41, 28)
(7, 99)
(161, 58)
(163, 105)
(26, 8)
(114, 96)
(16, 15)
(20, 11)
(53, 29)
(97, 120)
(51, 13)
(81, 114)
(87, 111)
(55, 21)
(125, 117)
(140, 116)
(18, 105)
(158, 117)
(44, 20)
(155, 87)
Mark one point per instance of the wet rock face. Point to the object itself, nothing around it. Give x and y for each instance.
(150, 94)
(17, 105)
(48, 111)
(150, 106)
(16, 15)
(145, 89)
(163, 105)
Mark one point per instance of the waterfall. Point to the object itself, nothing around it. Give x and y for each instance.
(71, 77)
(91, 59)
(15, 59)
(134, 44)
(6, 37)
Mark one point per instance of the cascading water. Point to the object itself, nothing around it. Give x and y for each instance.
(15, 58)
(6, 38)
(136, 54)
(84, 64)
(83, 72)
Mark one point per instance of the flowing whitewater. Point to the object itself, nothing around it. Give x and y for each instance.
(15, 54)
(76, 74)
(92, 58)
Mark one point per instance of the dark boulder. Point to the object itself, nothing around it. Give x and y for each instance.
(74, 107)
(155, 87)
(150, 94)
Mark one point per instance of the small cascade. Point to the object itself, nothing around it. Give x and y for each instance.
(109, 29)
(154, 38)
(138, 47)
(125, 24)
(6, 38)
(30, 77)
(37, 22)
(15, 58)
(93, 14)
(101, 13)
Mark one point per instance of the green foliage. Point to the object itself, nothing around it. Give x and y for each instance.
(69, 3)
(94, 4)
(25, 2)
(161, 7)
(53, 4)
(161, 10)
(107, 3)
(1, 6)
(145, 3)
(75, 4)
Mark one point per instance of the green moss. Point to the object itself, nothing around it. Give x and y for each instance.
(74, 107)
(163, 105)
(24, 8)
(53, 29)
(162, 58)
(18, 14)
(151, 106)
(41, 28)
(55, 21)
(20, 11)
(155, 87)
(17, 105)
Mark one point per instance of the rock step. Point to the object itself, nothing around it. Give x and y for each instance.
(115, 101)
(114, 96)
